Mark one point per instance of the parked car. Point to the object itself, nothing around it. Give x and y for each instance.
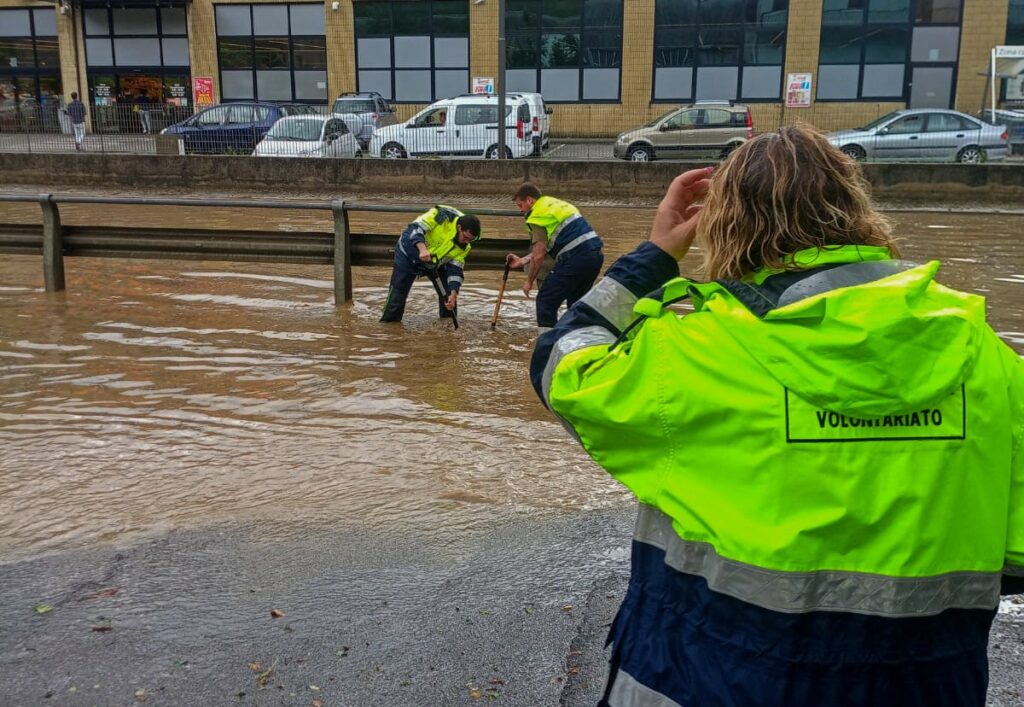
(370, 109)
(924, 134)
(464, 125)
(540, 120)
(232, 127)
(1014, 122)
(701, 130)
(308, 136)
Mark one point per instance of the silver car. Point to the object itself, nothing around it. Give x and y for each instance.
(924, 134)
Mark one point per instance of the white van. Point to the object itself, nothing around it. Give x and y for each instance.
(540, 120)
(462, 126)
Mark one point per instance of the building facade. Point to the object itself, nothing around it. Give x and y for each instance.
(603, 65)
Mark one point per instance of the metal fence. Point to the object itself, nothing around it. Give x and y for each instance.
(54, 240)
(466, 127)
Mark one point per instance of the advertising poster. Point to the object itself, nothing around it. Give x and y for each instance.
(483, 84)
(202, 88)
(798, 91)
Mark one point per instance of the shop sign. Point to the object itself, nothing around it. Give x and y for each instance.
(798, 91)
(202, 87)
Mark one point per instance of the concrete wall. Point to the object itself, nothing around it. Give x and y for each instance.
(923, 183)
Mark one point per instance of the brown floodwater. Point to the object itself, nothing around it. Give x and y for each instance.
(164, 394)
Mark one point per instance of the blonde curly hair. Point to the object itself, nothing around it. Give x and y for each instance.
(782, 192)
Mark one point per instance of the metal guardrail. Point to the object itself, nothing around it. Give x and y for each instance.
(344, 249)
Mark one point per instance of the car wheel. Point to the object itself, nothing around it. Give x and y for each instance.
(641, 153)
(971, 155)
(492, 152)
(393, 151)
(854, 152)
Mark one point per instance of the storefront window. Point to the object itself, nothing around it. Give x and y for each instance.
(413, 52)
(29, 68)
(131, 53)
(568, 50)
(719, 49)
(869, 48)
(272, 52)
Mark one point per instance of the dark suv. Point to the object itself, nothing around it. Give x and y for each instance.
(363, 113)
(232, 127)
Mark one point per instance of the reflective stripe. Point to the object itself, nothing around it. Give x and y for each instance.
(454, 278)
(1013, 570)
(629, 692)
(802, 592)
(575, 242)
(560, 227)
(573, 341)
(613, 301)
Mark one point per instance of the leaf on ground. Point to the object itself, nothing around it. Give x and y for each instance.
(567, 607)
(343, 652)
(140, 695)
(112, 592)
(276, 613)
(314, 688)
(42, 608)
(317, 703)
(103, 628)
(474, 693)
(263, 677)
(255, 667)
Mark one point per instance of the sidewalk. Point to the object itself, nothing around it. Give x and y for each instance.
(512, 614)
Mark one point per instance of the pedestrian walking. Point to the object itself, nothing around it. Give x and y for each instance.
(827, 451)
(559, 234)
(76, 114)
(435, 245)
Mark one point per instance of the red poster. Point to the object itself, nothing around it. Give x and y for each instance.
(202, 89)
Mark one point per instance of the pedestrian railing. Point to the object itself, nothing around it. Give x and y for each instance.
(342, 248)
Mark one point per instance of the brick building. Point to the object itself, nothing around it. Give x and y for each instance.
(604, 65)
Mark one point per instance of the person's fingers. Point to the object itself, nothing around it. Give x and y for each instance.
(687, 181)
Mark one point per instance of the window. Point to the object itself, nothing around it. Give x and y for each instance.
(866, 45)
(907, 125)
(567, 50)
(272, 52)
(719, 49)
(214, 116)
(479, 114)
(412, 52)
(683, 120)
(943, 122)
(30, 66)
(1015, 23)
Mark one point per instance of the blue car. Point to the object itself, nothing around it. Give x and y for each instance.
(232, 127)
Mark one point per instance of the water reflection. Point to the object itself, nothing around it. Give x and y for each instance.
(162, 394)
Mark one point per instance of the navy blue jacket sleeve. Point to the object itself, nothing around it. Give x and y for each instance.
(604, 312)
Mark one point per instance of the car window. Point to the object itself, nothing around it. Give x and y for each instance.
(241, 115)
(683, 119)
(354, 105)
(336, 127)
(432, 118)
(479, 114)
(262, 113)
(295, 130)
(716, 117)
(941, 122)
(908, 124)
(523, 113)
(214, 116)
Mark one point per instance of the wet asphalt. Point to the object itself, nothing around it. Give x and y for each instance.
(511, 613)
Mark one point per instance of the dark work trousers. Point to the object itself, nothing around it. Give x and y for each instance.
(571, 278)
(403, 274)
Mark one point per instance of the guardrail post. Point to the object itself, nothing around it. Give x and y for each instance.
(342, 253)
(53, 245)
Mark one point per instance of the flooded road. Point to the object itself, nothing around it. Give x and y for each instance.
(155, 395)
